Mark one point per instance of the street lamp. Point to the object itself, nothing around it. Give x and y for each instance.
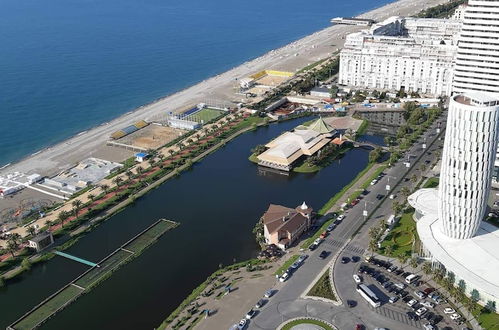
(424, 143)
(387, 187)
(364, 213)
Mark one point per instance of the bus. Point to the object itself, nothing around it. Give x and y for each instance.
(368, 295)
(411, 278)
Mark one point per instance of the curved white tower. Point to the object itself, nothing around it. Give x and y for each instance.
(467, 162)
(477, 59)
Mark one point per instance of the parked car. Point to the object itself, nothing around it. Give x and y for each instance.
(331, 227)
(421, 311)
(373, 182)
(260, 303)
(269, 293)
(428, 326)
(313, 246)
(284, 277)
(242, 324)
(411, 302)
(250, 314)
(392, 269)
(428, 304)
(351, 303)
(400, 285)
(449, 310)
(345, 260)
(455, 316)
(393, 299)
(302, 258)
(379, 196)
(427, 291)
(340, 217)
(420, 294)
(357, 278)
(324, 234)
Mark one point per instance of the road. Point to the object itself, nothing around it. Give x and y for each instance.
(289, 303)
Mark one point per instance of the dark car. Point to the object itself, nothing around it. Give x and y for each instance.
(355, 258)
(351, 303)
(345, 260)
(437, 319)
(427, 291)
(323, 254)
(398, 272)
(429, 316)
(379, 196)
(313, 247)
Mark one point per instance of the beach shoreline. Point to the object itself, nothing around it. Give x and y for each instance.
(290, 57)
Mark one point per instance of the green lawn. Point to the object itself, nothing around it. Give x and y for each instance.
(489, 321)
(286, 265)
(431, 183)
(323, 288)
(205, 115)
(253, 159)
(291, 324)
(305, 168)
(48, 308)
(402, 236)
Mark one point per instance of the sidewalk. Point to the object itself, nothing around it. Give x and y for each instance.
(354, 188)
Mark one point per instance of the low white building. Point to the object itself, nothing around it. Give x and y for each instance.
(416, 54)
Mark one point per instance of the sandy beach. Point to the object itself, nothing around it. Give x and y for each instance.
(291, 57)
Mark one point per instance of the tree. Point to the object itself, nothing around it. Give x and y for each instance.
(405, 191)
(63, 216)
(413, 262)
(461, 285)
(475, 295)
(375, 155)
(402, 259)
(452, 277)
(26, 264)
(129, 174)
(139, 169)
(258, 149)
(397, 207)
(31, 230)
(491, 305)
(373, 246)
(427, 268)
(12, 247)
(117, 181)
(104, 188)
(49, 223)
(91, 197)
(389, 250)
(422, 167)
(414, 178)
(76, 207)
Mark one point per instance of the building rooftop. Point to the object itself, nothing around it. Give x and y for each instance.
(475, 260)
(424, 200)
(477, 99)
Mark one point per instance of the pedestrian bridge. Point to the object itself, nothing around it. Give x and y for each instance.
(80, 260)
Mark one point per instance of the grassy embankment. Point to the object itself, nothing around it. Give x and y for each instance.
(286, 265)
(322, 288)
(295, 323)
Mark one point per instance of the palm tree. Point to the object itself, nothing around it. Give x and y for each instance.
(414, 178)
(76, 206)
(91, 197)
(402, 259)
(117, 181)
(139, 169)
(63, 216)
(413, 262)
(405, 191)
(49, 223)
(12, 247)
(104, 188)
(373, 246)
(422, 167)
(389, 250)
(31, 230)
(129, 174)
(171, 152)
(427, 268)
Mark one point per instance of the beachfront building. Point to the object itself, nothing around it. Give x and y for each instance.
(282, 225)
(449, 218)
(477, 59)
(414, 54)
(304, 141)
(41, 241)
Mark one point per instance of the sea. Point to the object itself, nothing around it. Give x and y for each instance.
(69, 65)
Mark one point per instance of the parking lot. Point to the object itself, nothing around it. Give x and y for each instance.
(413, 303)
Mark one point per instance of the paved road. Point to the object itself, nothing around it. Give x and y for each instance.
(288, 302)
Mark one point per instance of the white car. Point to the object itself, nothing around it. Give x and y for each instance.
(393, 299)
(400, 286)
(284, 277)
(428, 326)
(449, 310)
(455, 316)
(373, 182)
(421, 311)
(428, 304)
(357, 278)
(411, 302)
(242, 324)
(340, 217)
(318, 240)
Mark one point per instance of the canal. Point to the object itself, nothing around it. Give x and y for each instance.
(217, 203)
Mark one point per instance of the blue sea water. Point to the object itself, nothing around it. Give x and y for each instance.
(69, 65)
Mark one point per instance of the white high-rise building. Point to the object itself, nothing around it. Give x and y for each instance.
(467, 162)
(449, 219)
(477, 59)
(416, 54)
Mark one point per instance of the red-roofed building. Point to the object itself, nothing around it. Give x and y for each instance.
(282, 226)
